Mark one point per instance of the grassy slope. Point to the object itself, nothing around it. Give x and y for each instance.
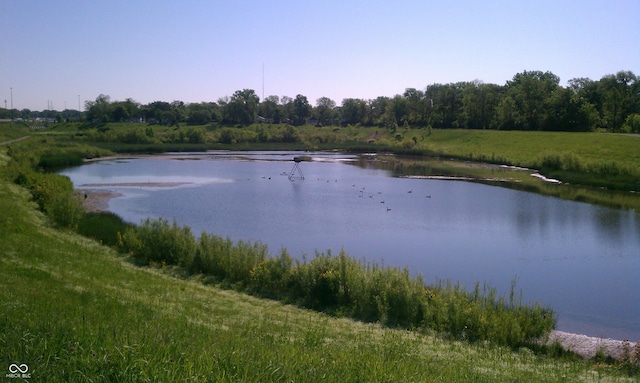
(73, 310)
(10, 131)
(524, 148)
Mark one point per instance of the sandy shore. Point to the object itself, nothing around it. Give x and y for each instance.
(588, 346)
(96, 200)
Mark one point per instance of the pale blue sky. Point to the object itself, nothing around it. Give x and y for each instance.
(53, 51)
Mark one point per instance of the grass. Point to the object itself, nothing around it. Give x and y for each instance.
(75, 311)
(524, 148)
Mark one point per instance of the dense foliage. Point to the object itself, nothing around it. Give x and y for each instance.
(341, 285)
(532, 100)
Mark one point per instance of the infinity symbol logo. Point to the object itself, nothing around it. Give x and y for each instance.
(13, 368)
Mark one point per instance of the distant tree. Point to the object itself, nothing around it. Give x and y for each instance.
(377, 108)
(156, 112)
(325, 110)
(99, 110)
(302, 109)
(177, 113)
(530, 91)
(479, 105)
(119, 113)
(200, 113)
(242, 107)
(354, 111)
(287, 109)
(269, 109)
(444, 104)
(620, 98)
(415, 111)
(507, 114)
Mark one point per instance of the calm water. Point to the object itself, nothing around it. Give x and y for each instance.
(582, 260)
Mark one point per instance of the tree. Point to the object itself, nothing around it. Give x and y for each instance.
(287, 109)
(444, 104)
(99, 110)
(119, 113)
(529, 91)
(415, 113)
(354, 110)
(177, 112)
(157, 112)
(302, 109)
(479, 105)
(377, 108)
(242, 107)
(200, 113)
(507, 114)
(325, 110)
(620, 97)
(632, 124)
(269, 109)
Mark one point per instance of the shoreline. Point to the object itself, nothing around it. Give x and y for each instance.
(97, 200)
(588, 346)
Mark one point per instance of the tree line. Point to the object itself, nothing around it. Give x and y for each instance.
(531, 100)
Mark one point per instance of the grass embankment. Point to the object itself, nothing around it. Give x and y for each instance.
(595, 159)
(73, 310)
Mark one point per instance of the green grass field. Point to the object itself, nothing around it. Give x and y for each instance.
(75, 311)
(525, 148)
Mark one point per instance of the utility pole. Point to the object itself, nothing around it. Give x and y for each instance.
(11, 89)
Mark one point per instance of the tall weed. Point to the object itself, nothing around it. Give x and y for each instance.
(103, 227)
(66, 210)
(156, 241)
(343, 286)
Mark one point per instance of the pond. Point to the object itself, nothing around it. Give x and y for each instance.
(582, 260)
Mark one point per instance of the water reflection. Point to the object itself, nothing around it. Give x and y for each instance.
(581, 259)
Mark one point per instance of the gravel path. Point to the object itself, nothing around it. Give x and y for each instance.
(12, 141)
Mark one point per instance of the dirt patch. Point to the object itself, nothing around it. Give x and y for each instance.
(375, 136)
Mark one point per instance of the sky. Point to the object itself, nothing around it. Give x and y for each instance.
(63, 53)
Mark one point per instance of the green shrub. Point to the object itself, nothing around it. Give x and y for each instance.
(227, 260)
(343, 286)
(103, 227)
(271, 277)
(158, 241)
(59, 159)
(66, 209)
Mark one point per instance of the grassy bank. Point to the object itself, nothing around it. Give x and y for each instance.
(73, 310)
